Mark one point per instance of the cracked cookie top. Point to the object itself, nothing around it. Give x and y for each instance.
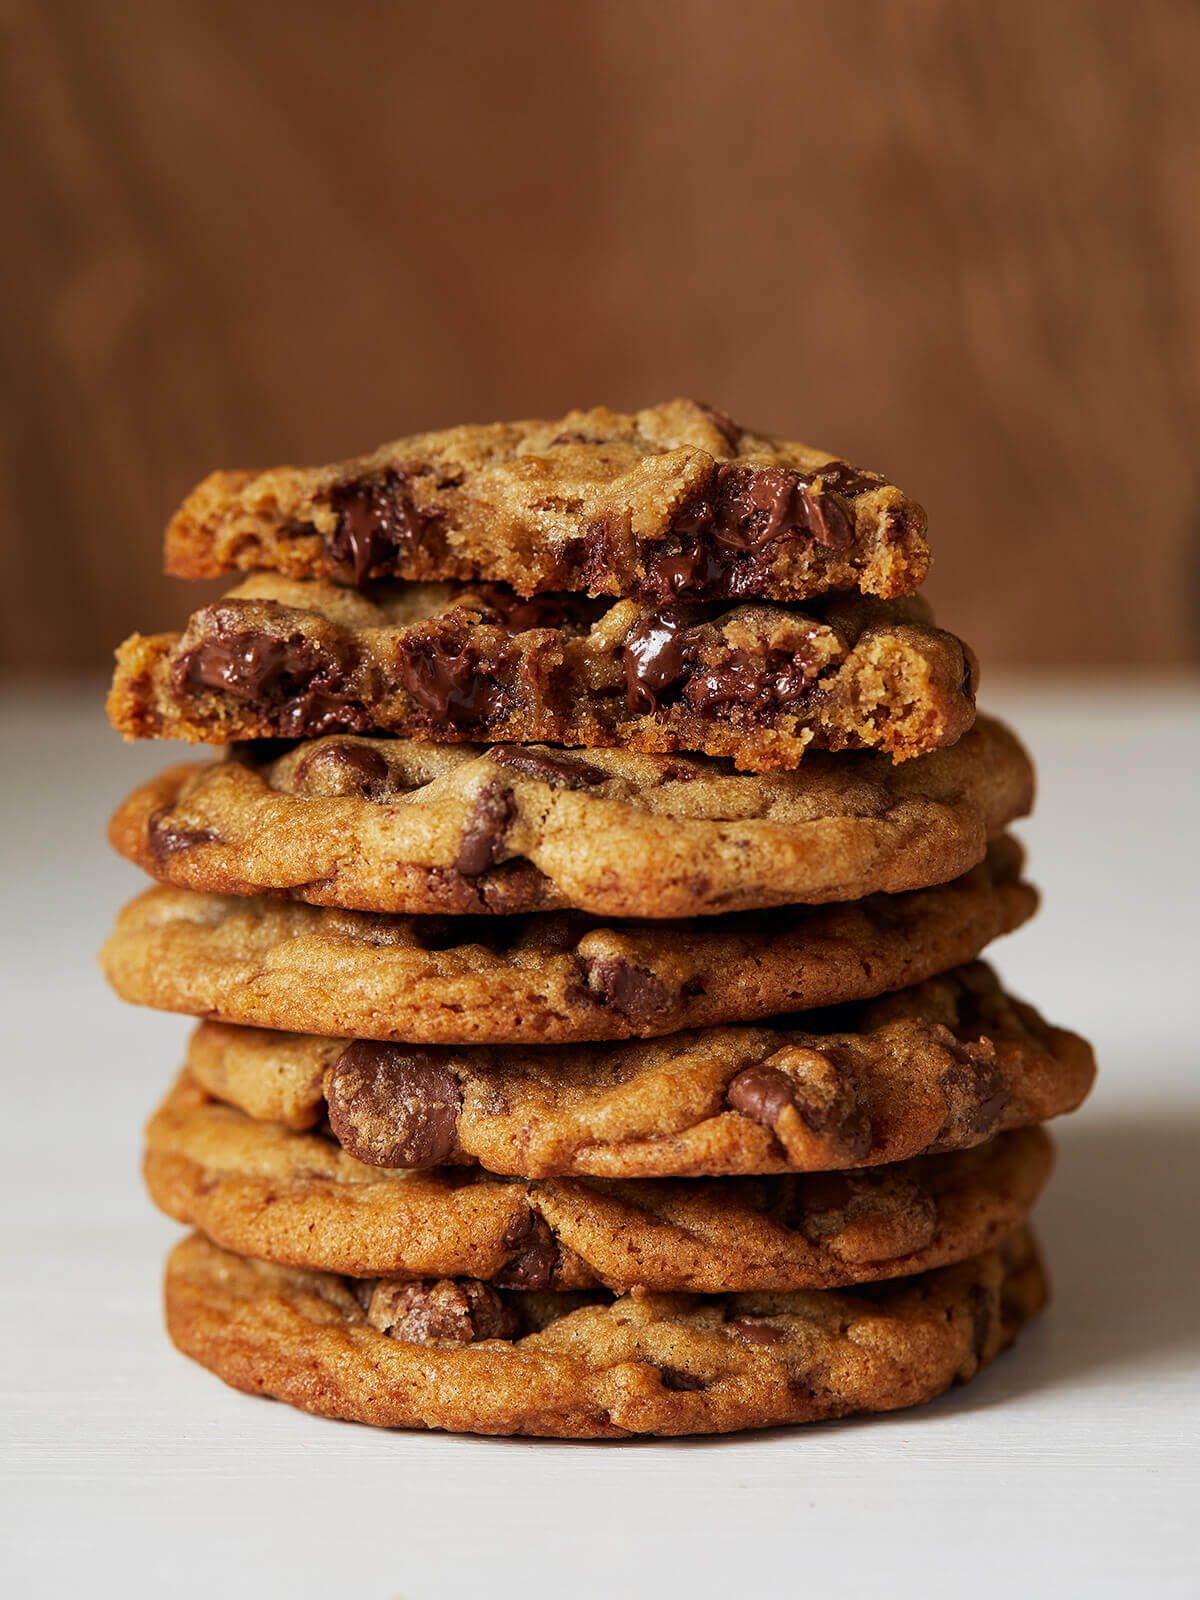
(459, 1354)
(263, 1190)
(941, 1066)
(396, 825)
(545, 978)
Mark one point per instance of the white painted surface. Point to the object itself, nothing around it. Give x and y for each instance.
(1070, 1469)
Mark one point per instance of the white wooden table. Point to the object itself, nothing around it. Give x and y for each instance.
(1070, 1469)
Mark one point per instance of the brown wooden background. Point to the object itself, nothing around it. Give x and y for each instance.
(957, 240)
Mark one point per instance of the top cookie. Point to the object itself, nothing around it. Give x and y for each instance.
(676, 501)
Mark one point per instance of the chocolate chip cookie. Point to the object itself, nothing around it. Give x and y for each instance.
(758, 684)
(260, 1189)
(395, 825)
(462, 1355)
(675, 501)
(942, 1066)
(545, 978)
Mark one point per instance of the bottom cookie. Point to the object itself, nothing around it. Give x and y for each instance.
(459, 1355)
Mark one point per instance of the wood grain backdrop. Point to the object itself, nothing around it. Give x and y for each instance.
(958, 240)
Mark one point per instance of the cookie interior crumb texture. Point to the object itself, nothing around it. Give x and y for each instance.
(675, 501)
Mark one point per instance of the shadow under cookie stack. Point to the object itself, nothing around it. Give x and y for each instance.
(584, 917)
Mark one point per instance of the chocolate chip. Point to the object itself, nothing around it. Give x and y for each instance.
(761, 505)
(247, 666)
(822, 1096)
(977, 1094)
(637, 994)
(846, 480)
(721, 539)
(676, 1379)
(342, 768)
(763, 684)
(762, 1094)
(538, 1260)
(377, 521)
(446, 677)
(296, 687)
(724, 424)
(166, 838)
(754, 1332)
(559, 771)
(696, 571)
(430, 1310)
(483, 837)
(656, 655)
(392, 1106)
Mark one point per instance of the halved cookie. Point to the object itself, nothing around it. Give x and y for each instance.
(676, 499)
(758, 684)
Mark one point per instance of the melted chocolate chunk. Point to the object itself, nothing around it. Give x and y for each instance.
(433, 1310)
(166, 838)
(486, 827)
(827, 1108)
(391, 1106)
(846, 480)
(249, 666)
(729, 430)
(754, 1332)
(342, 768)
(538, 1260)
(721, 540)
(445, 677)
(293, 685)
(559, 771)
(377, 523)
(637, 994)
(762, 1094)
(977, 1095)
(764, 684)
(657, 654)
(696, 571)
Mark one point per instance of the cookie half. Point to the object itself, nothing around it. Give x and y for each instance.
(942, 1066)
(546, 978)
(298, 1199)
(460, 1355)
(759, 684)
(675, 500)
(395, 825)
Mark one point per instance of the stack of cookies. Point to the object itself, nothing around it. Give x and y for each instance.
(584, 919)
